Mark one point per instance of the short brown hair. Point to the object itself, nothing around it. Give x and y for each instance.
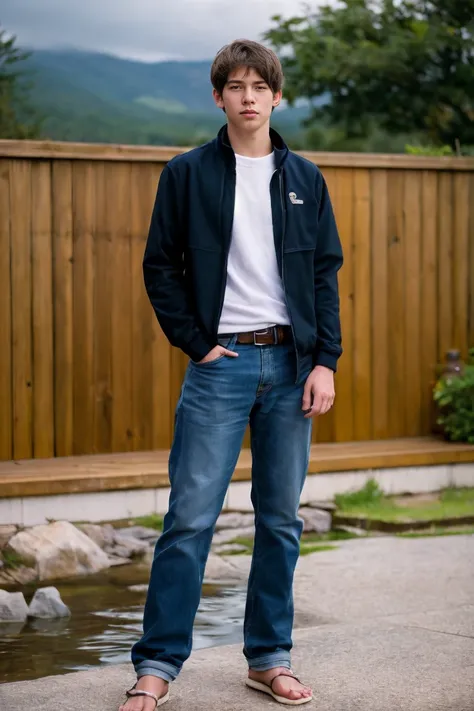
(245, 53)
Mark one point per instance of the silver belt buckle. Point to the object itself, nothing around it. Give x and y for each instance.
(263, 332)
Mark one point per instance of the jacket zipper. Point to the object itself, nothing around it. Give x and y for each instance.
(283, 210)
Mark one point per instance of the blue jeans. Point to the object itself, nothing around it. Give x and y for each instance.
(218, 399)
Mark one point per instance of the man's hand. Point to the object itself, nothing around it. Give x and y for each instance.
(216, 352)
(318, 396)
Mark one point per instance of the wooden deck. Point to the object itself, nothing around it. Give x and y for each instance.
(144, 470)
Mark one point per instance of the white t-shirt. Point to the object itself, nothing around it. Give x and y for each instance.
(254, 297)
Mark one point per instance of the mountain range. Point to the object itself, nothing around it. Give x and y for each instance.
(87, 96)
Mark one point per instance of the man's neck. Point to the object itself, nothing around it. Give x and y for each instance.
(251, 145)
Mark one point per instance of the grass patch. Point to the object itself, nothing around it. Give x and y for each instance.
(467, 531)
(12, 560)
(370, 502)
(330, 536)
(151, 521)
(306, 550)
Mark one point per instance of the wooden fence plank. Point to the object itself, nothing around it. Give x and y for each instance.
(6, 408)
(42, 285)
(344, 403)
(142, 325)
(103, 403)
(380, 323)
(412, 229)
(396, 305)
(20, 206)
(445, 265)
(63, 314)
(460, 260)
(118, 201)
(362, 307)
(162, 352)
(429, 301)
(84, 194)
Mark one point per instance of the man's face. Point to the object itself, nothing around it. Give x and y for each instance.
(247, 99)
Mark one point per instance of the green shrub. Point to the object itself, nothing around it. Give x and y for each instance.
(429, 150)
(455, 398)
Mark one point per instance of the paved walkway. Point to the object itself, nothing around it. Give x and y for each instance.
(383, 624)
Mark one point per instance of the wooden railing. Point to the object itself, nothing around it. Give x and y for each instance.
(84, 366)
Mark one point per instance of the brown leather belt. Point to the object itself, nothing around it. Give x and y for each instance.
(275, 335)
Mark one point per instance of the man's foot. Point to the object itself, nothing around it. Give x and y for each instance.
(155, 685)
(285, 686)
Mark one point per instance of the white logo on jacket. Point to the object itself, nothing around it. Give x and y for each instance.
(295, 200)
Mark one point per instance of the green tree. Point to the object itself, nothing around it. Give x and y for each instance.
(17, 118)
(406, 66)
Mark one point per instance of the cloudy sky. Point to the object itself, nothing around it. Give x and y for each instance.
(142, 29)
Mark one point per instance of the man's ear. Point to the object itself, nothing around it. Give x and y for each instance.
(218, 99)
(277, 99)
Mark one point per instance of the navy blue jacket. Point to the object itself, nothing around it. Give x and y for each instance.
(185, 262)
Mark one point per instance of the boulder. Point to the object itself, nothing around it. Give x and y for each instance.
(132, 545)
(20, 575)
(6, 532)
(47, 603)
(140, 532)
(102, 535)
(230, 534)
(59, 550)
(218, 569)
(13, 607)
(115, 560)
(315, 520)
(235, 520)
(323, 505)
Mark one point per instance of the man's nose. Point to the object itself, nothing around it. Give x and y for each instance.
(248, 97)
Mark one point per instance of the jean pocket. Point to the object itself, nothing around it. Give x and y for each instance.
(227, 342)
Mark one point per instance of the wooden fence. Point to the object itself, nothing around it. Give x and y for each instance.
(84, 366)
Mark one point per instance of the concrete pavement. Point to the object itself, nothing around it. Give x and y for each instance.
(383, 624)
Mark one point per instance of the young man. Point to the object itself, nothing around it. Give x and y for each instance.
(241, 268)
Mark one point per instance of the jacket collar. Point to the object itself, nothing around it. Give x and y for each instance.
(279, 146)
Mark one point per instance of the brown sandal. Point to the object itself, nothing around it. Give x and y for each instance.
(140, 692)
(268, 689)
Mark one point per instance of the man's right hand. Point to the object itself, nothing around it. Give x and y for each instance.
(216, 352)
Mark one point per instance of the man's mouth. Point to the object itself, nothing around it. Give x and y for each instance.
(249, 113)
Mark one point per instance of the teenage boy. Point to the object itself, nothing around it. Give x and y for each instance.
(241, 269)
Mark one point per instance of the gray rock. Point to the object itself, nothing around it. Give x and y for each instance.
(18, 576)
(219, 569)
(234, 520)
(116, 561)
(230, 534)
(119, 552)
(140, 532)
(315, 520)
(102, 535)
(47, 603)
(323, 505)
(6, 532)
(133, 545)
(353, 530)
(59, 550)
(13, 606)
(227, 548)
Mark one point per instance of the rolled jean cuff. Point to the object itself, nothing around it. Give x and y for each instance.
(269, 661)
(160, 669)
